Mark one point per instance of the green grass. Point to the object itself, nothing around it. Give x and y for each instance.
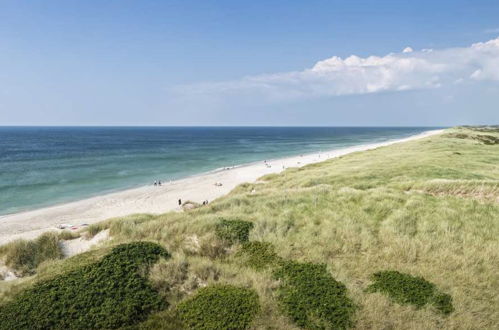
(25, 256)
(428, 208)
(407, 289)
(108, 294)
(220, 307)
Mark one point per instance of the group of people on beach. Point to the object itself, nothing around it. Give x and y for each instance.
(157, 183)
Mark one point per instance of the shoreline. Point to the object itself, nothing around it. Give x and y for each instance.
(161, 199)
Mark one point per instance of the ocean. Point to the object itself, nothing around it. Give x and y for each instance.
(42, 166)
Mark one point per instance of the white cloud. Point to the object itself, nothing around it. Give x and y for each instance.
(336, 76)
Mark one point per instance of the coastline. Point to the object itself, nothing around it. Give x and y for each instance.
(161, 199)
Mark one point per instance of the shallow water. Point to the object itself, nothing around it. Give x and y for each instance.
(42, 166)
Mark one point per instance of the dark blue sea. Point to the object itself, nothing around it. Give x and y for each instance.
(41, 166)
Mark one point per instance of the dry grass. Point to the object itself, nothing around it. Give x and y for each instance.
(480, 190)
(426, 208)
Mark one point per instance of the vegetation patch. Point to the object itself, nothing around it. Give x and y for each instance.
(490, 129)
(24, 256)
(220, 307)
(483, 138)
(104, 295)
(67, 235)
(407, 289)
(234, 231)
(481, 190)
(312, 298)
(259, 255)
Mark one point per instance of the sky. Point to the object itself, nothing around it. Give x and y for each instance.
(238, 63)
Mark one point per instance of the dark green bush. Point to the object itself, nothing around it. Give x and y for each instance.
(24, 256)
(108, 294)
(220, 307)
(234, 231)
(164, 320)
(312, 298)
(443, 303)
(258, 255)
(407, 289)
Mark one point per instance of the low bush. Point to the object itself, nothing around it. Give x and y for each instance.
(258, 255)
(234, 231)
(164, 320)
(24, 256)
(108, 294)
(407, 289)
(220, 307)
(312, 298)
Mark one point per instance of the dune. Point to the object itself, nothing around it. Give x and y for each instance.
(160, 199)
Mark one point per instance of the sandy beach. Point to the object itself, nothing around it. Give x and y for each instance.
(164, 198)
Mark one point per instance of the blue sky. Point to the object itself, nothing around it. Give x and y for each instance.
(249, 63)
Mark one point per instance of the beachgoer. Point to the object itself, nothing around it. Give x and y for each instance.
(179, 201)
(159, 183)
(155, 183)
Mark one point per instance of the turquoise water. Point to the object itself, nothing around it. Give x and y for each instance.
(41, 166)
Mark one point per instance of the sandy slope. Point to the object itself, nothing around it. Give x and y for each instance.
(151, 199)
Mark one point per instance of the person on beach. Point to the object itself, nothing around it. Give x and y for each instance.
(179, 202)
(159, 183)
(155, 183)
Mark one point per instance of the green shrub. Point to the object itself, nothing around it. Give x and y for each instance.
(24, 256)
(220, 307)
(312, 298)
(164, 320)
(108, 294)
(234, 231)
(443, 303)
(407, 289)
(258, 255)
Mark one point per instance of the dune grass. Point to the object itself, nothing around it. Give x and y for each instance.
(428, 208)
(25, 256)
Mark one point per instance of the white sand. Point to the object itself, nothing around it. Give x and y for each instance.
(79, 245)
(153, 199)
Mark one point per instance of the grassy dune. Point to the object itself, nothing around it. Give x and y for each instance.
(426, 208)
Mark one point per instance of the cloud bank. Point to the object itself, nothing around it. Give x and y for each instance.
(407, 70)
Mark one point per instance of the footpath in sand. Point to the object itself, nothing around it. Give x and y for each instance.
(161, 199)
